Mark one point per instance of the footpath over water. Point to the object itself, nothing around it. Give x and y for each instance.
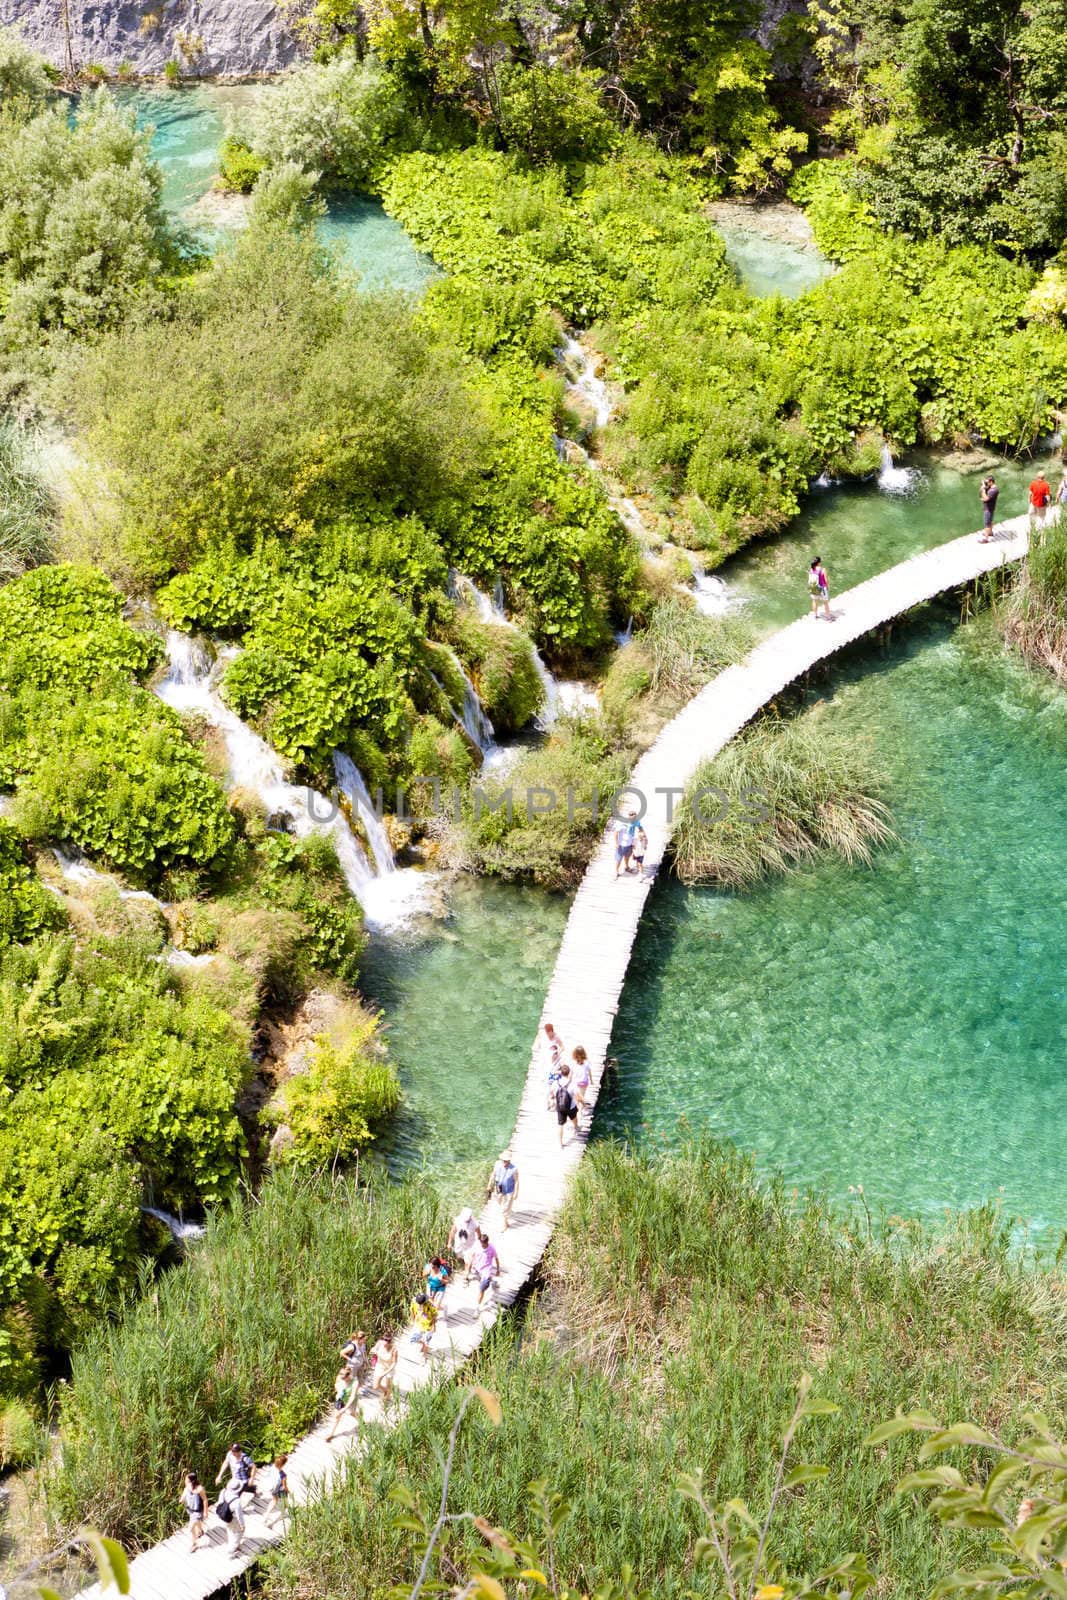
(582, 1001)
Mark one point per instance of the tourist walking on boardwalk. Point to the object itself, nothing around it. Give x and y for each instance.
(624, 828)
(437, 1273)
(239, 1465)
(1040, 500)
(462, 1238)
(486, 1264)
(819, 589)
(384, 1356)
(554, 1047)
(582, 1077)
(565, 1103)
(1061, 498)
(505, 1185)
(423, 1314)
(345, 1400)
(354, 1356)
(275, 1484)
(640, 846)
(194, 1500)
(989, 495)
(229, 1509)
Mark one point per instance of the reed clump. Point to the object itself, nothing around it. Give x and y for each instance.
(682, 1299)
(26, 511)
(1033, 614)
(240, 1342)
(781, 794)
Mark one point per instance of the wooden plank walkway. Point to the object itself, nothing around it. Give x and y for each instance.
(581, 1002)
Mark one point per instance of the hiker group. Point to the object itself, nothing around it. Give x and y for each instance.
(469, 1254)
(568, 1080)
(1045, 507)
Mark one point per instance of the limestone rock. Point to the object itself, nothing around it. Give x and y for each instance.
(208, 38)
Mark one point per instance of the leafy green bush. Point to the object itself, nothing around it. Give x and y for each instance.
(82, 230)
(336, 1107)
(61, 628)
(338, 118)
(501, 663)
(235, 1344)
(26, 908)
(554, 114)
(239, 167)
(543, 818)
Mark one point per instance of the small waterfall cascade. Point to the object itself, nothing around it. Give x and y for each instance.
(77, 870)
(182, 1231)
(896, 480)
(712, 596)
(576, 698)
(550, 711)
(388, 897)
(586, 385)
(351, 784)
(492, 610)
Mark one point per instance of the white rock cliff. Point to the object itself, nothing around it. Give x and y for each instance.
(208, 38)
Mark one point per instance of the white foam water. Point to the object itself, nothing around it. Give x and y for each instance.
(896, 480)
(586, 385)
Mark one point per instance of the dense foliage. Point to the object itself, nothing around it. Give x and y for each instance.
(82, 231)
(236, 1344)
(682, 1302)
(26, 508)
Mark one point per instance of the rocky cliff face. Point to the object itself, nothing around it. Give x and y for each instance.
(208, 38)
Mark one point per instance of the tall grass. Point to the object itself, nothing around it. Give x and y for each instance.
(25, 507)
(777, 796)
(682, 1301)
(1034, 612)
(240, 1342)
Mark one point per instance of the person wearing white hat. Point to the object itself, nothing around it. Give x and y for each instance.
(462, 1238)
(505, 1185)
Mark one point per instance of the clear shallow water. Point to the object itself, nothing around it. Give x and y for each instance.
(462, 1006)
(859, 531)
(903, 1028)
(189, 126)
(772, 266)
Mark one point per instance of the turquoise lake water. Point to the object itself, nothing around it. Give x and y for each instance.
(772, 266)
(189, 126)
(903, 1028)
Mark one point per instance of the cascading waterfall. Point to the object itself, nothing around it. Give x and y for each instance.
(388, 897)
(77, 870)
(586, 385)
(712, 596)
(896, 480)
(179, 1230)
(351, 784)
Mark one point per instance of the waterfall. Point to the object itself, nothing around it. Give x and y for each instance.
(625, 635)
(178, 1230)
(896, 480)
(586, 385)
(551, 708)
(388, 898)
(77, 870)
(460, 587)
(492, 610)
(710, 593)
(576, 697)
(351, 784)
(473, 721)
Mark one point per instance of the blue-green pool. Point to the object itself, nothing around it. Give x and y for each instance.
(190, 123)
(902, 1028)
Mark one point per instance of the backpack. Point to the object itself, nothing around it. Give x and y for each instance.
(563, 1100)
(507, 1182)
(245, 1468)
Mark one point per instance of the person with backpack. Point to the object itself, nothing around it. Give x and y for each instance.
(437, 1272)
(354, 1355)
(819, 589)
(230, 1510)
(990, 494)
(505, 1185)
(1040, 500)
(565, 1103)
(240, 1466)
(195, 1502)
(276, 1486)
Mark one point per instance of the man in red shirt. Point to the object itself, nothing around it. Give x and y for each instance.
(1040, 500)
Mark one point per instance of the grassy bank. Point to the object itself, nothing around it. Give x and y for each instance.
(681, 1303)
(238, 1343)
(779, 795)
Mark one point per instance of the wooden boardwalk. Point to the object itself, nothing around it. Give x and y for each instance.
(582, 1001)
